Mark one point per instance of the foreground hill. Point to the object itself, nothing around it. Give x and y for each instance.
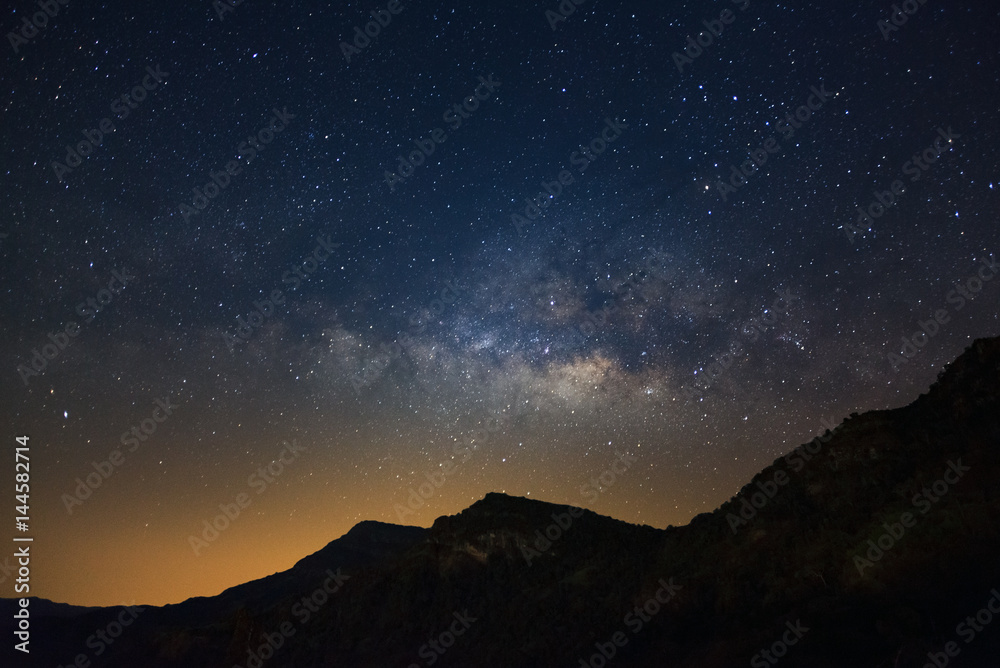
(871, 546)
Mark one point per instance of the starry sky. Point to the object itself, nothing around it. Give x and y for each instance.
(250, 256)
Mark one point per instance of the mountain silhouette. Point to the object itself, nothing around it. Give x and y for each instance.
(872, 545)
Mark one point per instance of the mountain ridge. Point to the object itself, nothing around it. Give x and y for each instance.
(549, 583)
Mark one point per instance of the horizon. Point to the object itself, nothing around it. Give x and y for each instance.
(779, 458)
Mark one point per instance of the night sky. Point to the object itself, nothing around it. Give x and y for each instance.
(487, 249)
